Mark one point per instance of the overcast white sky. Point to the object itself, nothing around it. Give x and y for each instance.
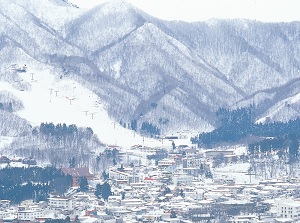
(198, 10)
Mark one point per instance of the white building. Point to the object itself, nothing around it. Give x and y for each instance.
(182, 179)
(123, 176)
(288, 208)
(4, 203)
(114, 200)
(191, 165)
(61, 203)
(244, 219)
(30, 214)
(4, 214)
(166, 163)
(132, 203)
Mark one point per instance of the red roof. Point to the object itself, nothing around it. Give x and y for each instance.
(77, 172)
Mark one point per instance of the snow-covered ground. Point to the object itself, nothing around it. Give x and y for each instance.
(4, 141)
(56, 100)
(237, 172)
(13, 164)
(284, 110)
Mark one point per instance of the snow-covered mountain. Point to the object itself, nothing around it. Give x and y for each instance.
(139, 68)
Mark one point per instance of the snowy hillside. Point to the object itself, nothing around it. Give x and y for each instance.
(51, 99)
(174, 75)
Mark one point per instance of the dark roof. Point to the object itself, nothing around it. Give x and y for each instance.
(77, 172)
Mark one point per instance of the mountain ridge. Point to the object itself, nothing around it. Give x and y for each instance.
(172, 74)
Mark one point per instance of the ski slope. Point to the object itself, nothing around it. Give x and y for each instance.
(51, 99)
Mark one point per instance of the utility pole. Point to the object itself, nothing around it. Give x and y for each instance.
(50, 89)
(70, 100)
(92, 114)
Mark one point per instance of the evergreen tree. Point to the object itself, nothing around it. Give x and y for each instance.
(61, 183)
(106, 191)
(173, 214)
(72, 162)
(83, 184)
(99, 190)
(67, 219)
(133, 125)
(149, 129)
(167, 191)
(18, 184)
(10, 107)
(105, 175)
(76, 219)
(173, 145)
(181, 193)
(123, 195)
(103, 190)
(293, 146)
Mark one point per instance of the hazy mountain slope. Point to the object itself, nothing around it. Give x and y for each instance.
(215, 63)
(252, 55)
(51, 99)
(279, 104)
(145, 54)
(13, 125)
(101, 26)
(27, 39)
(172, 74)
(164, 67)
(51, 14)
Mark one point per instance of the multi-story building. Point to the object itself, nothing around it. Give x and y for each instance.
(167, 164)
(288, 208)
(123, 177)
(192, 165)
(182, 179)
(62, 203)
(4, 214)
(4, 203)
(30, 214)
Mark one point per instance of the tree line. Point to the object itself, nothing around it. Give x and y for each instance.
(236, 125)
(146, 128)
(232, 126)
(35, 183)
(58, 144)
(6, 106)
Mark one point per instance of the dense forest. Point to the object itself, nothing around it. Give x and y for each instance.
(58, 144)
(34, 183)
(146, 128)
(238, 125)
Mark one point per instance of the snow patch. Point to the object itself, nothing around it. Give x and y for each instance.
(5, 141)
(117, 68)
(51, 99)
